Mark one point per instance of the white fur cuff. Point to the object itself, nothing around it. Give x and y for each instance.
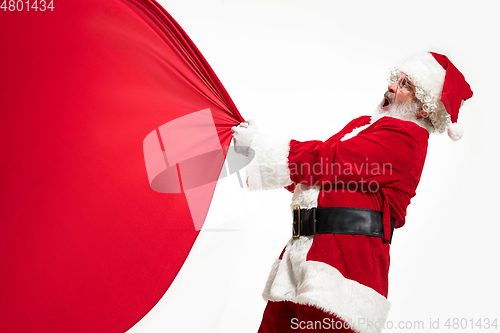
(269, 168)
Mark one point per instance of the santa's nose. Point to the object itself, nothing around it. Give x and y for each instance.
(393, 87)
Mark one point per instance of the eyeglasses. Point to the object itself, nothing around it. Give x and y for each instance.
(404, 84)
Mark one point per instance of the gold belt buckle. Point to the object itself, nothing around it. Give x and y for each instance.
(296, 236)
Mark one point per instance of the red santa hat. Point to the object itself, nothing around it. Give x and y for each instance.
(439, 84)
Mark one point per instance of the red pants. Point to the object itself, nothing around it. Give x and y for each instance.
(288, 317)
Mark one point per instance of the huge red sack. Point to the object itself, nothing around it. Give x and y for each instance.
(107, 109)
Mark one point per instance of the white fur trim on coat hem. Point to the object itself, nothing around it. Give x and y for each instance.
(269, 169)
(305, 196)
(323, 286)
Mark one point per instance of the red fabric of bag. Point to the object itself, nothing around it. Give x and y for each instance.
(87, 244)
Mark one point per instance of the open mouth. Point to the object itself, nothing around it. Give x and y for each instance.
(385, 103)
(388, 100)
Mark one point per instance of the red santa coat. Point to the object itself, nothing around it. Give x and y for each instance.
(378, 168)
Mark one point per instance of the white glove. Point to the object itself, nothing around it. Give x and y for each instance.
(243, 135)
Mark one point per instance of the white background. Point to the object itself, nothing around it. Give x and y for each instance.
(306, 68)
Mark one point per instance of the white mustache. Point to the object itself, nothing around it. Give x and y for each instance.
(389, 96)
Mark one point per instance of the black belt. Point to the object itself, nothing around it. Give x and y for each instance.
(338, 220)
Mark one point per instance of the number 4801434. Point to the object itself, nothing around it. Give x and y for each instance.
(33, 5)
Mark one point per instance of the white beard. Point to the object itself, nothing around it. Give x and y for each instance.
(405, 111)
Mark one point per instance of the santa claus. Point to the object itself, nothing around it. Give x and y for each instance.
(349, 193)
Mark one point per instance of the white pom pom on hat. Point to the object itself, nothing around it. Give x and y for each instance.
(455, 131)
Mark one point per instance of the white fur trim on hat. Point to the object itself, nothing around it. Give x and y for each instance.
(424, 71)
